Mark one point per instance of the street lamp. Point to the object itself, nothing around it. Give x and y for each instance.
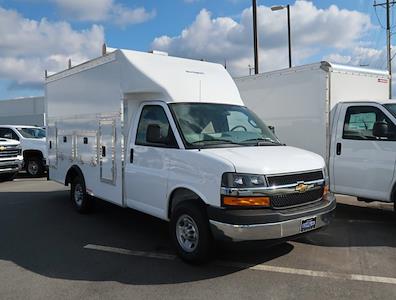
(280, 7)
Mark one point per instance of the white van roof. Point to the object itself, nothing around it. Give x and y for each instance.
(154, 76)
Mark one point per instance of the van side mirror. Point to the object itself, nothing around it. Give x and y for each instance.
(272, 129)
(8, 136)
(153, 134)
(381, 129)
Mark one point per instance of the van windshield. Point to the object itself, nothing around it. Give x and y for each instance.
(391, 108)
(32, 132)
(204, 125)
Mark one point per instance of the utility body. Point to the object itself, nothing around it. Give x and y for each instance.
(340, 112)
(171, 137)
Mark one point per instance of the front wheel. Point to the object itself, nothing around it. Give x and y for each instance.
(34, 167)
(78, 194)
(190, 233)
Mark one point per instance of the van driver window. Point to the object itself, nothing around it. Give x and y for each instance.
(360, 121)
(154, 128)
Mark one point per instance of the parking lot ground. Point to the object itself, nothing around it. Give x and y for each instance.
(49, 251)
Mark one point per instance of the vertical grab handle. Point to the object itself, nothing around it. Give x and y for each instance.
(131, 157)
(103, 151)
(338, 149)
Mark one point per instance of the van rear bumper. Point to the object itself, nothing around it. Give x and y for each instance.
(267, 224)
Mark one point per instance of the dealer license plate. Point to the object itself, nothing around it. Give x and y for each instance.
(308, 224)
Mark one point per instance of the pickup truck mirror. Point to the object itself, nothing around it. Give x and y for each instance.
(8, 136)
(153, 134)
(381, 129)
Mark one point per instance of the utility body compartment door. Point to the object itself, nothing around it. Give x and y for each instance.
(107, 133)
(362, 164)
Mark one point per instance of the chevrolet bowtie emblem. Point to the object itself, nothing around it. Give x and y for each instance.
(2, 148)
(302, 187)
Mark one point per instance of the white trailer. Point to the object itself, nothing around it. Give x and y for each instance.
(335, 111)
(171, 137)
(26, 111)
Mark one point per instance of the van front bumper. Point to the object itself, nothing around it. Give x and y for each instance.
(267, 224)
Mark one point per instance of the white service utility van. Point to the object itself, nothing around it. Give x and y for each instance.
(339, 112)
(171, 137)
(11, 159)
(34, 146)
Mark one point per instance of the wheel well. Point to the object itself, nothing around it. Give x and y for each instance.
(32, 153)
(393, 195)
(180, 195)
(73, 172)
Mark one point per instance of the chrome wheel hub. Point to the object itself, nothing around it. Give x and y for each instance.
(78, 194)
(187, 233)
(33, 167)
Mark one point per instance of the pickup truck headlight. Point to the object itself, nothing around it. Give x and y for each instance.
(236, 180)
(243, 181)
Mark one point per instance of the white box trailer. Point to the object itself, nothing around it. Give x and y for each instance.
(171, 137)
(26, 111)
(313, 107)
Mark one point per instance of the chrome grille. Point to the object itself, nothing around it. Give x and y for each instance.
(280, 180)
(10, 151)
(295, 199)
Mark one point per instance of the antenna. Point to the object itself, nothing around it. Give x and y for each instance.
(46, 74)
(70, 64)
(104, 49)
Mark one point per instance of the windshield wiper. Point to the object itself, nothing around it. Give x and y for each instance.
(216, 140)
(262, 141)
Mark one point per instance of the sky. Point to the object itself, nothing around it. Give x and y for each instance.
(38, 35)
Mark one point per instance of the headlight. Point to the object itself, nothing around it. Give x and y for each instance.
(236, 180)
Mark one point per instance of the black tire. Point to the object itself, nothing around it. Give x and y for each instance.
(191, 214)
(78, 195)
(34, 166)
(8, 177)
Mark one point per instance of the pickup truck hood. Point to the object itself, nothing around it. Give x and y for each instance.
(269, 160)
(7, 142)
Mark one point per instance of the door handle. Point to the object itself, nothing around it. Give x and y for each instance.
(338, 148)
(131, 157)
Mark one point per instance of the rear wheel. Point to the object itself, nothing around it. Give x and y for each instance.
(34, 166)
(190, 233)
(78, 194)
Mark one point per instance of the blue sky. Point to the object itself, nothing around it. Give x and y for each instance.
(40, 34)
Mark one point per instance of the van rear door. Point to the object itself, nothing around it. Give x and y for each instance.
(363, 164)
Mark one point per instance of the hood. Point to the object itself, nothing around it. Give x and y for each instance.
(269, 160)
(7, 142)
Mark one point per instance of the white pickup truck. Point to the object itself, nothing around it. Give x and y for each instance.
(340, 112)
(171, 137)
(34, 147)
(11, 159)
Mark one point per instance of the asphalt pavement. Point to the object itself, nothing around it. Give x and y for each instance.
(49, 251)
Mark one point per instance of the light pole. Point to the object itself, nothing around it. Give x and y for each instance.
(255, 37)
(280, 7)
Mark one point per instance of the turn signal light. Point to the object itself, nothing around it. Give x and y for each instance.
(326, 190)
(246, 201)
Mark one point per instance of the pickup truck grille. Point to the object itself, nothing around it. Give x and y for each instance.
(294, 178)
(295, 199)
(9, 152)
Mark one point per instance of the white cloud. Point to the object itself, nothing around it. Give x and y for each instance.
(313, 29)
(104, 10)
(28, 47)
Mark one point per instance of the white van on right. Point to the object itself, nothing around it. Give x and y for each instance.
(340, 112)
